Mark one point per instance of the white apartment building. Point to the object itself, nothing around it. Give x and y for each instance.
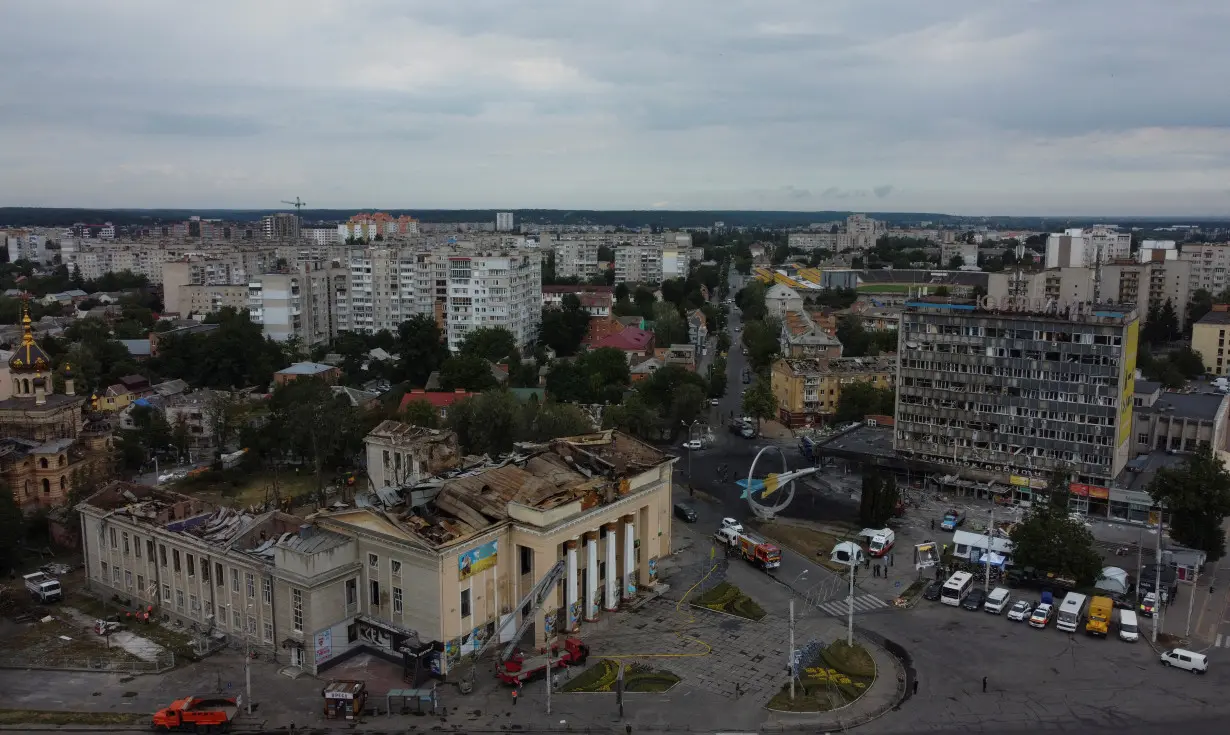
(1081, 248)
(94, 259)
(225, 267)
(967, 251)
(302, 304)
(26, 245)
(676, 260)
(1108, 240)
(494, 289)
(503, 221)
(863, 231)
(1210, 264)
(1152, 251)
(322, 236)
(370, 225)
(576, 258)
(860, 233)
(638, 263)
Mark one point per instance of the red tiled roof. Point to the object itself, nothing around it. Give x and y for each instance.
(579, 289)
(436, 398)
(630, 339)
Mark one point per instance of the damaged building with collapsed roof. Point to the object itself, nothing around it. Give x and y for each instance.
(433, 565)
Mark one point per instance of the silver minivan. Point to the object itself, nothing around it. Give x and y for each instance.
(1129, 629)
(997, 601)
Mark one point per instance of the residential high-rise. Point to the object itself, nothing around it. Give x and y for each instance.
(371, 226)
(576, 258)
(503, 221)
(25, 245)
(494, 289)
(301, 303)
(281, 226)
(638, 263)
(1210, 266)
(1011, 396)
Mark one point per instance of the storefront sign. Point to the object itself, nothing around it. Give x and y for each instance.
(1030, 482)
(476, 560)
(339, 695)
(1089, 491)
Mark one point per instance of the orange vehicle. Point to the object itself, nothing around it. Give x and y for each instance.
(759, 552)
(198, 714)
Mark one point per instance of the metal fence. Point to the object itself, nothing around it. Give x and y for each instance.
(104, 664)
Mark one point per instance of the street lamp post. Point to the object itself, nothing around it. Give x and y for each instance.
(791, 666)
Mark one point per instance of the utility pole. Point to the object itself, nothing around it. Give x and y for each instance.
(1191, 598)
(986, 582)
(551, 675)
(790, 666)
(1157, 576)
(850, 614)
(1140, 558)
(247, 671)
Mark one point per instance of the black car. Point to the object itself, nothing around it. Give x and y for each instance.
(685, 513)
(933, 590)
(974, 600)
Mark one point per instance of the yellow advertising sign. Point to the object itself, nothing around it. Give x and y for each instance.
(770, 485)
(1019, 481)
(1130, 345)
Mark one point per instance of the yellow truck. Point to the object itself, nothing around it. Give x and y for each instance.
(1100, 611)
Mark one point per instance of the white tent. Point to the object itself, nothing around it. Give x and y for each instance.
(844, 551)
(997, 560)
(1113, 580)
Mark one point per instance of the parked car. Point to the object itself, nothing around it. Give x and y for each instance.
(1181, 658)
(732, 524)
(974, 600)
(692, 444)
(1042, 616)
(1148, 604)
(933, 590)
(713, 401)
(1021, 610)
(685, 513)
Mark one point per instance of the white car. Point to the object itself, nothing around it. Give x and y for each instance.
(732, 524)
(713, 401)
(693, 444)
(1021, 610)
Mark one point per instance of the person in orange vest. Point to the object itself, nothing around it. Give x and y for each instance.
(515, 688)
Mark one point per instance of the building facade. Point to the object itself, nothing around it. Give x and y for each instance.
(809, 390)
(638, 263)
(1210, 266)
(576, 259)
(1010, 397)
(1209, 339)
(494, 289)
(503, 221)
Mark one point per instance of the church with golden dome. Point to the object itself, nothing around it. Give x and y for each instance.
(50, 442)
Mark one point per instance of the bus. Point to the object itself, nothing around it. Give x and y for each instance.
(957, 588)
(1071, 611)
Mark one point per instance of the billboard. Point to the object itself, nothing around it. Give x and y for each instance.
(1130, 344)
(476, 560)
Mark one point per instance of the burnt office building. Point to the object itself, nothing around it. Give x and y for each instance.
(1006, 396)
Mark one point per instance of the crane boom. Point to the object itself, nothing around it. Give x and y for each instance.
(297, 204)
(535, 597)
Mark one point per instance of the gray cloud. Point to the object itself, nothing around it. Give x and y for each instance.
(1047, 106)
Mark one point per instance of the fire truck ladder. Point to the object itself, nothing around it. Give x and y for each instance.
(534, 599)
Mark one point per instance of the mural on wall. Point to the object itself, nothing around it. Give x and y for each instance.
(476, 560)
(452, 652)
(574, 614)
(653, 568)
(472, 641)
(597, 600)
(630, 584)
(548, 624)
(324, 646)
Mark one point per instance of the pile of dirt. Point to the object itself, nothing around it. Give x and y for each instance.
(15, 603)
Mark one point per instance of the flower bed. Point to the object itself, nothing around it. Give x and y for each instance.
(604, 675)
(727, 598)
(843, 675)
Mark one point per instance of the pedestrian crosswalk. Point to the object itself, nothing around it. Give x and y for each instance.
(862, 604)
(1221, 640)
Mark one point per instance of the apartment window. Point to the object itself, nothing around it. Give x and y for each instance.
(268, 637)
(141, 585)
(115, 577)
(235, 580)
(374, 593)
(125, 537)
(191, 565)
(149, 549)
(136, 546)
(166, 593)
(179, 599)
(397, 599)
(250, 583)
(1142, 439)
(205, 571)
(267, 591)
(465, 603)
(373, 561)
(219, 577)
(236, 619)
(194, 604)
(106, 570)
(175, 559)
(251, 626)
(527, 558)
(395, 567)
(114, 543)
(162, 554)
(127, 579)
(296, 609)
(209, 610)
(352, 592)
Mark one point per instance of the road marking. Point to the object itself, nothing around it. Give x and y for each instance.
(1217, 643)
(862, 603)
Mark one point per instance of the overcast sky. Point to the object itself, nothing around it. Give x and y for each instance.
(970, 107)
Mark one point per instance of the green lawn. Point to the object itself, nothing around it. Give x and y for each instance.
(727, 598)
(843, 674)
(886, 287)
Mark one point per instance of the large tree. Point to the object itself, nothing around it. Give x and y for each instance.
(489, 343)
(761, 338)
(861, 399)
(488, 423)
(12, 531)
(1196, 496)
(466, 372)
(668, 327)
(309, 421)
(759, 402)
(421, 349)
(563, 329)
(878, 502)
(1052, 541)
(420, 413)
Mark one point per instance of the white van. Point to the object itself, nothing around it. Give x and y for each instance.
(1187, 660)
(1129, 629)
(997, 601)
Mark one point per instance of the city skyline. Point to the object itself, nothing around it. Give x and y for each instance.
(1039, 109)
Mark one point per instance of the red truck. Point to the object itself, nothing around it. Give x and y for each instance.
(759, 552)
(197, 714)
(519, 668)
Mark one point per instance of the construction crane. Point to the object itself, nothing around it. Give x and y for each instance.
(536, 597)
(297, 204)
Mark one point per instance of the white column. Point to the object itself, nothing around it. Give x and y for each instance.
(629, 556)
(574, 612)
(612, 589)
(591, 576)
